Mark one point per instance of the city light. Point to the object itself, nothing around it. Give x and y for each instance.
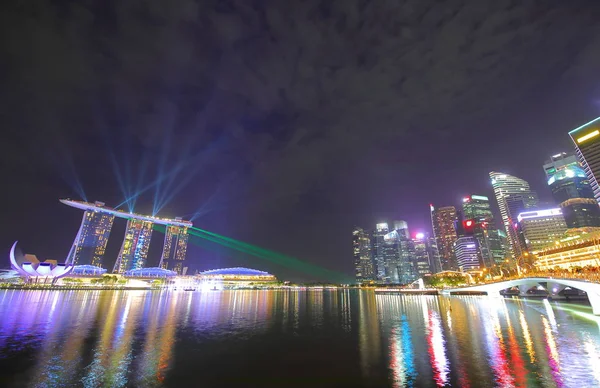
(584, 125)
(588, 136)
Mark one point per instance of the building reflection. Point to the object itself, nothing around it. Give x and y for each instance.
(369, 332)
(133, 338)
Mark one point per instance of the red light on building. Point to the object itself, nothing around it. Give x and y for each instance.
(468, 226)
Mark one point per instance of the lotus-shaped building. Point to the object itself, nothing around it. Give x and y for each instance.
(34, 271)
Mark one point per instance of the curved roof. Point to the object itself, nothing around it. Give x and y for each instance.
(236, 271)
(88, 270)
(153, 272)
(568, 172)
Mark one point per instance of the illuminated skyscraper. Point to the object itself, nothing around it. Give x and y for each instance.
(434, 255)
(541, 228)
(477, 209)
(426, 257)
(174, 248)
(363, 259)
(467, 254)
(404, 269)
(514, 196)
(587, 145)
(497, 245)
(90, 242)
(92, 237)
(558, 162)
(443, 220)
(380, 251)
(180, 254)
(134, 249)
(571, 189)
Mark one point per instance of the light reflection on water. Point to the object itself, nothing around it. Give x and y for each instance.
(302, 338)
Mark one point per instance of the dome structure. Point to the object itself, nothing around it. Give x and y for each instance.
(153, 272)
(236, 271)
(237, 276)
(88, 270)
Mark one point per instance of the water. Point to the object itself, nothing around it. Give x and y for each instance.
(344, 338)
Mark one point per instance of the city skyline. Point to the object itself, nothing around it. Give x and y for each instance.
(298, 136)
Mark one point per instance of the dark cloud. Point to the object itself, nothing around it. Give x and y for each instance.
(327, 113)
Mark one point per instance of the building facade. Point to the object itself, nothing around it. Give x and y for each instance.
(587, 145)
(467, 253)
(90, 243)
(363, 258)
(571, 189)
(380, 251)
(134, 249)
(541, 228)
(477, 209)
(174, 249)
(577, 248)
(497, 246)
(406, 267)
(426, 256)
(514, 196)
(581, 212)
(443, 223)
(558, 162)
(92, 237)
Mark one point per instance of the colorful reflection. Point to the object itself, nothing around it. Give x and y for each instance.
(309, 338)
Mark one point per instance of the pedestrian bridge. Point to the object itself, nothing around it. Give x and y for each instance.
(552, 285)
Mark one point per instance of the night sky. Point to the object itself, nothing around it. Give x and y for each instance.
(281, 123)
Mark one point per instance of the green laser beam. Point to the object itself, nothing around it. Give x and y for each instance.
(272, 256)
(262, 253)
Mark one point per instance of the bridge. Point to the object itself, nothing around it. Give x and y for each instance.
(553, 286)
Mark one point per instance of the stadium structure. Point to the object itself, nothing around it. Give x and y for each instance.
(90, 242)
(237, 277)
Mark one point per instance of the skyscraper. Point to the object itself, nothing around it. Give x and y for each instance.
(90, 243)
(497, 245)
(426, 257)
(467, 254)
(405, 268)
(174, 248)
(434, 255)
(558, 162)
(571, 189)
(136, 243)
(540, 228)
(363, 260)
(379, 250)
(513, 196)
(443, 220)
(581, 212)
(477, 208)
(587, 146)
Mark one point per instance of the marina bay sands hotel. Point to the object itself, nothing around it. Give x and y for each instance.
(90, 243)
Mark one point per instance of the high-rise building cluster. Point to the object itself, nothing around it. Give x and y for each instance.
(388, 254)
(526, 235)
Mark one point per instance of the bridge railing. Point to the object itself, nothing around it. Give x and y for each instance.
(588, 276)
(591, 276)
